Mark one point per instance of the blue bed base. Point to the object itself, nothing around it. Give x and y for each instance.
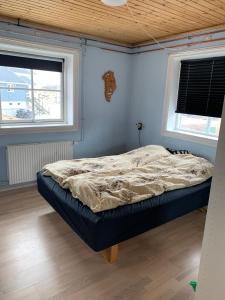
(105, 229)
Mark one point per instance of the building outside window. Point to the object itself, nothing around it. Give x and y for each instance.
(38, 88)
(36, 95)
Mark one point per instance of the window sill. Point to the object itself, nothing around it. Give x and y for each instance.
(196, 138)
(17, 129)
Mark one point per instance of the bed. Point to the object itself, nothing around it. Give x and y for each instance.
(105, 230)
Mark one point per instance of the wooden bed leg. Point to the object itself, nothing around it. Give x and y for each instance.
(111, 254)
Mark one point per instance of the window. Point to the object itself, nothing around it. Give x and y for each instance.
(201, 87)
(194, 95)
(38, 88)
(198, 124)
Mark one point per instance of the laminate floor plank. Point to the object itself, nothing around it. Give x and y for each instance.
(42, 258)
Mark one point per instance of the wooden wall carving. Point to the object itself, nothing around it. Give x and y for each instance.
(110, 84)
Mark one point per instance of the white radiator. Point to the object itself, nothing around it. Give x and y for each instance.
(25, 160)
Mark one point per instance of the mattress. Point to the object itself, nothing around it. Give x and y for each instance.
(104, 229)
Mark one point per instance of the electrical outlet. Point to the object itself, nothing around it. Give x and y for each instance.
(139, 125)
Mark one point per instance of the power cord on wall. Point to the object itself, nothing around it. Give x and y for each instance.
(139, 138)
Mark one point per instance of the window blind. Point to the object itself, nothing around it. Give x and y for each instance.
(30, 63)
(202, 87)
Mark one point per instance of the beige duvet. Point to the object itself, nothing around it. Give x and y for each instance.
(107, 182)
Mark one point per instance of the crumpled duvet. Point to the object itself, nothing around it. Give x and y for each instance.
(108, 182)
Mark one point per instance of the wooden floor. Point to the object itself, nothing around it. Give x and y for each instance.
(41, 258)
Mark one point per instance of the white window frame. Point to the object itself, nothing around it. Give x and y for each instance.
(70, 80)
(171, 92)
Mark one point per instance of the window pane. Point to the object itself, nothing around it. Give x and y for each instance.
(193, 123)
(47, 105)
(13, 78)
(47, 80)
(198, 124)
(214, 126)
(16, 105)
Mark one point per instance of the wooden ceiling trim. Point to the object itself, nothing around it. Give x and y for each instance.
(156, 9)
(207, 5)
(82, 16)
(140, 17)
(177, 9)
(128, 25)
(58, 31)
(81, 21)
(193, 6)
(170, 12)
(168, 21)
(207, 11)
(128, 18)
(185, 8)
(100, 30)
(152, 8)
(193, 28)
(150, 18)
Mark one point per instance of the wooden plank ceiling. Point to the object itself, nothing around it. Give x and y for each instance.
(133, 24)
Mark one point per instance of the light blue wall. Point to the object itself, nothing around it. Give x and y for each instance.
(148, 89)
(109, 128)
(104, 123)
